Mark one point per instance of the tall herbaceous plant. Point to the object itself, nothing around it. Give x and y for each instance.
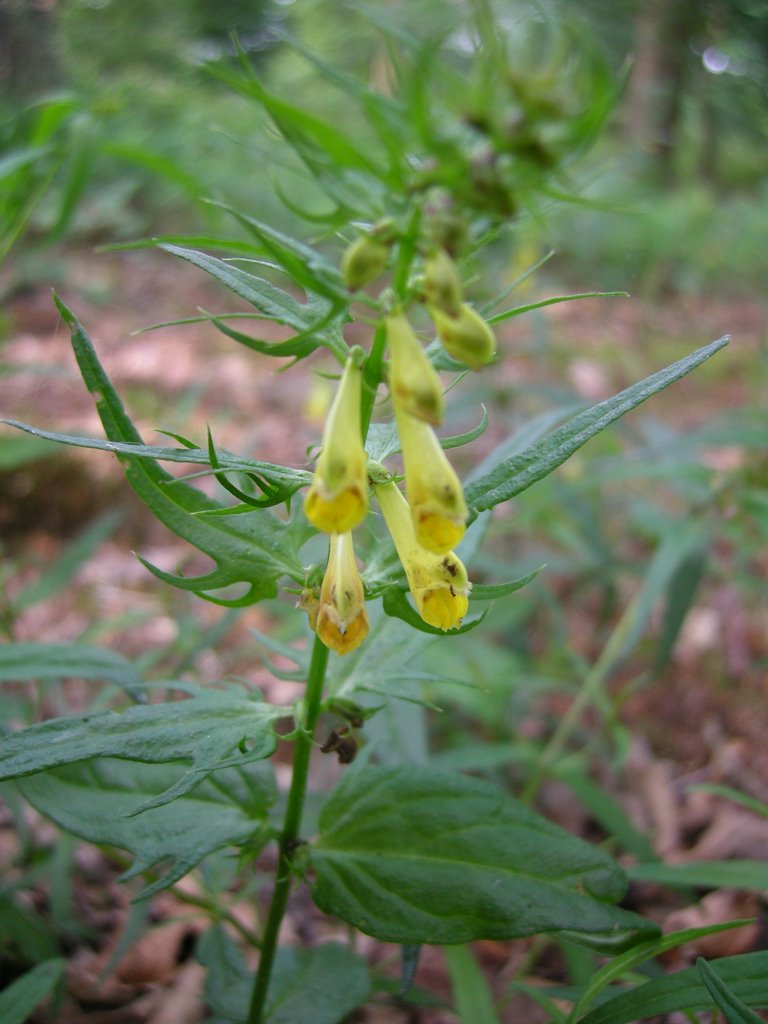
(460, 144)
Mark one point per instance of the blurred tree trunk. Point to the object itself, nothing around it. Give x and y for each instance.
(29, 62)
(664, 67)
(681, 22)
(639, 101)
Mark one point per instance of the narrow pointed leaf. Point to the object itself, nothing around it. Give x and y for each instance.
(20, 998)
(733, 1008)
(498, 318)
(255, 549)
(491, 591)
(685, 990)
(283, 477)
(520, 471)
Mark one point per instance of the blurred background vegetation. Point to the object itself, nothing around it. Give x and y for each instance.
(116, 124)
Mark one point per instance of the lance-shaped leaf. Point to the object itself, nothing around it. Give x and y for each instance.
(96, 800)
(254, 549)
(733, 1009)
(319, 320)
(20, 998)
(212, 729)
(416, 854)
(282, 480)
(518, 473)
(744, 975)
(307, 267)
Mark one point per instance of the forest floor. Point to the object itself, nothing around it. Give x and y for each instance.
(703, 721)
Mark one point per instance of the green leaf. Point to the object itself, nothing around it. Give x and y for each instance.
(625, 962)
(520, 471)
(97, 801)
(24, 934)
(396, 604)
(710, 874)
(745, 974)
(498, 318)
(205, 729)
(318, 320)
(309, 986)
(415, 854)
(750, 802)
(471, 994)
(288, 480)
(306, 267)
(22, 661)
(491, 591)
(21, 997)
(732, 1007)
(255, 549)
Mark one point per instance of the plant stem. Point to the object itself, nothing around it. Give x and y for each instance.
(302, 752)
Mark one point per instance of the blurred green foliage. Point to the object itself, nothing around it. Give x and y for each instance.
(111, 129)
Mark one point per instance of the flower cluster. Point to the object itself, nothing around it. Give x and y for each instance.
(429, 520)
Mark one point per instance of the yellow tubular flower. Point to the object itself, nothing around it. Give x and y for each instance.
(434, 491)
(338, 498)
(438, 583)
(442, 284)
(413, 380)
(466, 337)
(342, 621)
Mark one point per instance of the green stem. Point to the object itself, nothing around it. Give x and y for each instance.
(289, 837)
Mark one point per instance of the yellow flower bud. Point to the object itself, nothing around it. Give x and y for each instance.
(438, 583)
(342, 621)
(434, 491)
(466, 337)
(363, 261)
(413, 380)
(442, 284)
(338, 498)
